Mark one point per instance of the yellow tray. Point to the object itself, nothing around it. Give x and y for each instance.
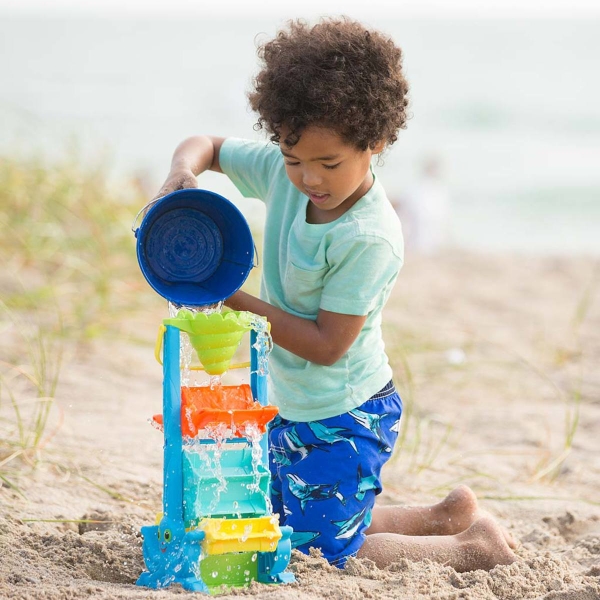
(260, 534)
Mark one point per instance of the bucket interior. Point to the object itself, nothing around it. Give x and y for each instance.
(195, 248)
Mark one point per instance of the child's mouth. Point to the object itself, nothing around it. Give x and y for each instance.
(318, 198)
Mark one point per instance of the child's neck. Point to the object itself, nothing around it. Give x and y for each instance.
(316, 216)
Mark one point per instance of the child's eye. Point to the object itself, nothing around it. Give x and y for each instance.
(332, 166)
(291, 164)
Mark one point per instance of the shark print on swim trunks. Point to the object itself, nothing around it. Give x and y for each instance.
(325, 474)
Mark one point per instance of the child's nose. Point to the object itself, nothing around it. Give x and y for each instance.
(311, 178)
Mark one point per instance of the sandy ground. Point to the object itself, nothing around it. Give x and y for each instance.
(494, 357)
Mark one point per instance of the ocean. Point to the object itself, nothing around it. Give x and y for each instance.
(510, 109)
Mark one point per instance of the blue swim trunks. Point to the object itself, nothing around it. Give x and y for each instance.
(325, 474)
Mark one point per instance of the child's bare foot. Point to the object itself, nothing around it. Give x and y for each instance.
(459, 510)
(481, 546)
(484, 546)
(454, 514)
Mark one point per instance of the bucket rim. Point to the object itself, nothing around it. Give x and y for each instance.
(233, 264)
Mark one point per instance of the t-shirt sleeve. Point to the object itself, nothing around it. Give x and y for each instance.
(362, 272)
(249, 165)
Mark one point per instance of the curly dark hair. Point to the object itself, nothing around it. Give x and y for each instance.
(336, 74)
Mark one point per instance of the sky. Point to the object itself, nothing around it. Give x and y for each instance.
(438, 8)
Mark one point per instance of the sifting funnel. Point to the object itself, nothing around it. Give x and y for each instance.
(215, 337)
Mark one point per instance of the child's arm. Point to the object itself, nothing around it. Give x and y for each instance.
(192, 157)
(323, 341)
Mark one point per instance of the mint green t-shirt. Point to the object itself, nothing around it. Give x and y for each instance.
(347, 266)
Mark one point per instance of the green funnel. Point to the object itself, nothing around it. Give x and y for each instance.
(215, 337)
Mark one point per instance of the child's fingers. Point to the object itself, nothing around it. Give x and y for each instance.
(181, 181)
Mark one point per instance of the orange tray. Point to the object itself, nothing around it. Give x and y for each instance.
(231, 405)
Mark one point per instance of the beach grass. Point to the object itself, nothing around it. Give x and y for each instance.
(69, 275)
(426, 374)
(550, 465)
(422, 437)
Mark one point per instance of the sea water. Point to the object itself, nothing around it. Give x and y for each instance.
(518, 149)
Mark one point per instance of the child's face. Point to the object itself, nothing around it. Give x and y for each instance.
(332, 173)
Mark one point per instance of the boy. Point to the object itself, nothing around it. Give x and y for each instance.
(332, 97)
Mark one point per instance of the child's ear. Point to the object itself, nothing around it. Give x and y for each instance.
(378, 148)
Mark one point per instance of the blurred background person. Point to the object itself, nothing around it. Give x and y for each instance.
(424, 209)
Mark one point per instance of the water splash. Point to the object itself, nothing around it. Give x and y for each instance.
(208, 308)
(246, 533)
(185, 358)
(186, 350)
(185, 346)
(236, 509)
(254, 437)
(211, 453)
(218, 433)
(210, 459)
(264, 341)
(188, 417)
(156, 425)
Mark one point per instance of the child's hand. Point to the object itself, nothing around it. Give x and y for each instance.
(193, 156)
(177, 180)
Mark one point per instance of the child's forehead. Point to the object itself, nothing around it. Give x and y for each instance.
(320, 143)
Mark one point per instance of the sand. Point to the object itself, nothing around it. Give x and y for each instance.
(494, 356)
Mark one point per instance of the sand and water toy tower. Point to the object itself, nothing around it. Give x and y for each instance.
(217, 527)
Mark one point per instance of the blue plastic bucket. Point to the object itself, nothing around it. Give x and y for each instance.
(194, 247)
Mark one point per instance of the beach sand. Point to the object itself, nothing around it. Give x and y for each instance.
(495, 357)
